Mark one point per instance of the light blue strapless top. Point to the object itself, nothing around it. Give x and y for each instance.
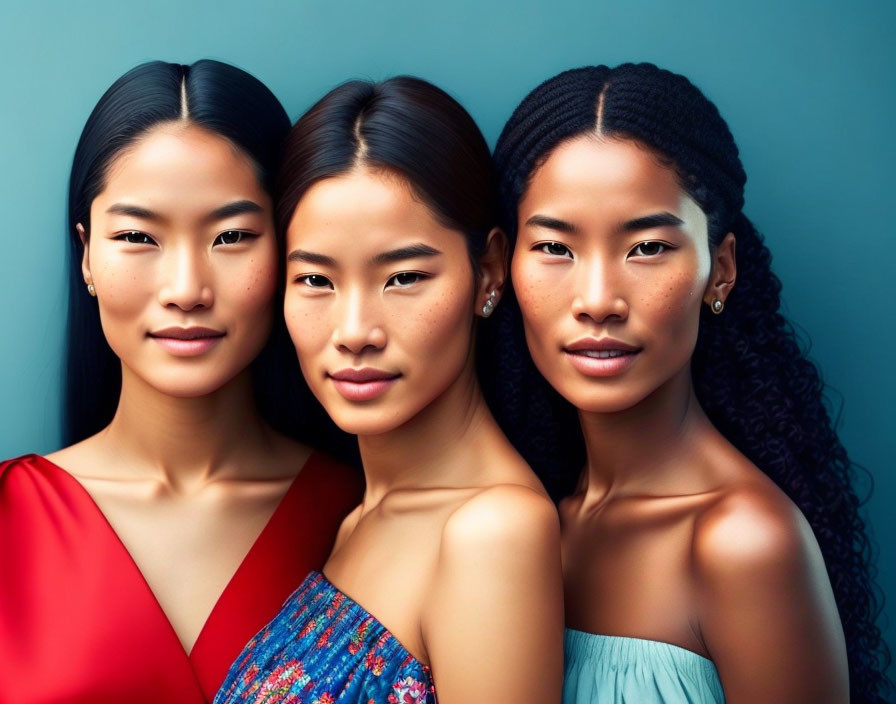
(619, 670)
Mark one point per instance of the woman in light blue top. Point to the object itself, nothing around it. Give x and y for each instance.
(691, 572)
(619, 669)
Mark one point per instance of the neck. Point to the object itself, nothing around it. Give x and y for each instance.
(640, 449)
(185, 441)
(429, 450)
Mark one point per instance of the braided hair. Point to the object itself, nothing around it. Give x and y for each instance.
(750, 374)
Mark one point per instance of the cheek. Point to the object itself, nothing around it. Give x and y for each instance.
(308, 323)
(251, 284)
(125, 286)
(540, 297)
(435, 328)
(671, 301)
(437, 322)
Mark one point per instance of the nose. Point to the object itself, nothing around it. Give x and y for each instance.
(357, 328)
(186, 280)
(598, 295)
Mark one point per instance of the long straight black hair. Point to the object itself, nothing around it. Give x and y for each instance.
(217, 97)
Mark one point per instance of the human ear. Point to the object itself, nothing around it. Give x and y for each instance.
(723, 274)
(85, 258)
(492, 272)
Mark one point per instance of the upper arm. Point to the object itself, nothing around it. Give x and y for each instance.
(493, 620)
(765, 606)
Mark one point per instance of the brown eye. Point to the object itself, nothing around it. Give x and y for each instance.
(405, 279)
(555, 249)
(650, 249)
(314, 281)
(232, 237)
(135, 238)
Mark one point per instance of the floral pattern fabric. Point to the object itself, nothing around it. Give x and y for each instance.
(324, 648)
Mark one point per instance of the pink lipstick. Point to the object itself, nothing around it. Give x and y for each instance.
(187, 342)
(600, 358)
(363, 384)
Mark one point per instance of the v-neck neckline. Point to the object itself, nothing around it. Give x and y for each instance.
(286, 500)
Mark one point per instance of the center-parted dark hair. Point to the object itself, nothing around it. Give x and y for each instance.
(217, 97)
(749, 372)
(403, 125)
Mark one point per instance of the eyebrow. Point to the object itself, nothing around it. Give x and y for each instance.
(238, 207)
(133, 210)
(650, 221)
(395, 255)
(553, 224)
(300, 255)
(411, 252)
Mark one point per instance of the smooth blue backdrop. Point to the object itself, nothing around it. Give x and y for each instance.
(807, 87)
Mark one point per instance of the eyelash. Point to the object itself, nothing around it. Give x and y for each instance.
(543, 247)
(418, 277)
(243, 236)
(306, 280)
(664, 247)
(320, 281)
(133, 237)
(127, 237)
(636, 250)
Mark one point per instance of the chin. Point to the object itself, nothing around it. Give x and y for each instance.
(364, 421)
(606, 400)
(605, 405)
(189, 385)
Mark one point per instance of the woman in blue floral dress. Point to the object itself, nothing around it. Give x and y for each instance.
(447, 577)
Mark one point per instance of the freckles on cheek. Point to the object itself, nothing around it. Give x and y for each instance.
(538, 298)
(440, 317)
(298, 317)
(308, 327)
(675, 298)
(257, 283)
(441, 320)
(121, 288)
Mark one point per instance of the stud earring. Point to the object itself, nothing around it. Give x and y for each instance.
(91, 289)
(489, 307)
(717, 306)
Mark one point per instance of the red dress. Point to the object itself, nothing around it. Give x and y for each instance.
(78, 622)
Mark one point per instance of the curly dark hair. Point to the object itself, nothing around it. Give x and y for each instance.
(750, 373)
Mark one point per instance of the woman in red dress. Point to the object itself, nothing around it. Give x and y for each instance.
(136, 562)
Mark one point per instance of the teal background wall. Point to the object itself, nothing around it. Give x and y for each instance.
(807, 87)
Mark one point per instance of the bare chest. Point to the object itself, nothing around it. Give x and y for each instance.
(629, 574)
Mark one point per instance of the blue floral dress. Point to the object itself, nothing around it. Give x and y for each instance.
(324, 648)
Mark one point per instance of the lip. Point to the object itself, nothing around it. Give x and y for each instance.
(363, 384)
(187, 342)
(601, 358)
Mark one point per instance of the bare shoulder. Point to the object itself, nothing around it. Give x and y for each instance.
(752, 529)
(764, 607)
(507, 517)
(84, 459)
(346, 528)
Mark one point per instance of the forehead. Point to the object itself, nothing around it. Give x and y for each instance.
(597, 170)
(176, 165)
(368, 209)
